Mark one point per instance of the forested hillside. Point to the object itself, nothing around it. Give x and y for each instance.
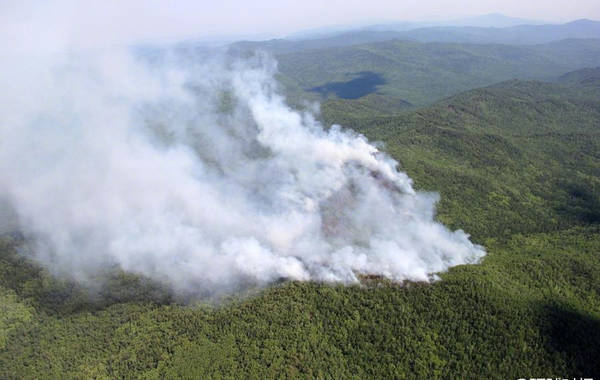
(517, 165)
(421, 73)
(514, 157)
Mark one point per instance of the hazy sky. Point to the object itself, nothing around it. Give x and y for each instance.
(111, 21)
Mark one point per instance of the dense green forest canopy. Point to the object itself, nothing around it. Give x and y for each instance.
(422, 73)
(518, 167)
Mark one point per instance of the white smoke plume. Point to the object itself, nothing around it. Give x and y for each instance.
(194, 172)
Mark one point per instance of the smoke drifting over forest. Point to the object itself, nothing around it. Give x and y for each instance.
(194, 172)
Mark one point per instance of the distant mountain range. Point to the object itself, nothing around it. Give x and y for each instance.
(515, 35)
(510, 35)
(492, 20)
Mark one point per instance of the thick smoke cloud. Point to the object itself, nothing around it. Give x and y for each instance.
(194, 172)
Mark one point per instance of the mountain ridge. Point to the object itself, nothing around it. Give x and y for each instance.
(516, 34)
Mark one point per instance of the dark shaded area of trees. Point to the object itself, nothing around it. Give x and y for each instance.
(364, 84)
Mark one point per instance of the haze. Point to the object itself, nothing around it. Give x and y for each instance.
(49, 26)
